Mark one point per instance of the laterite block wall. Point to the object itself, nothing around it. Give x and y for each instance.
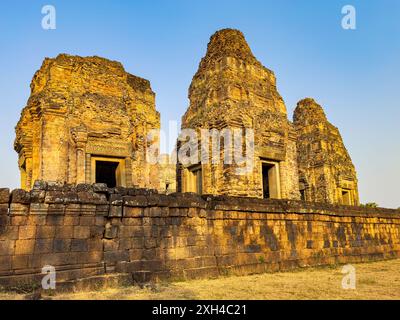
(91, 230)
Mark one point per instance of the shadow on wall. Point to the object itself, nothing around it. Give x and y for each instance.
(91, 230)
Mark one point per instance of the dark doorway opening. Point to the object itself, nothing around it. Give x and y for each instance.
(346, 197)
(106, 172)
(265, 175)
(303, 195)
(270, 180)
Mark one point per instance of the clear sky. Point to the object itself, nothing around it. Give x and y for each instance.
(353, 74)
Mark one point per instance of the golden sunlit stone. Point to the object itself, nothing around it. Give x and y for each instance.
(326, 171)
(231, 89)
(86, 117)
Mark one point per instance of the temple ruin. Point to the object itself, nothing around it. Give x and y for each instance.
(86, 121)
(89, 204)
(326, 171)
(231, 89)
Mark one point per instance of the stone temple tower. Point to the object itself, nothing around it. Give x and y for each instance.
(326, 171)
(87, 121)
(233, 90)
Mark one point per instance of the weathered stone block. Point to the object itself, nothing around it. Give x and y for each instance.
(131, 231)
(18, 220)
(150, 243)
(93, 257)
(110, 244)
(81, 232)
(135, 254)
(116, 199)
(45, 232)
(125, 244)
(20, 196)
(64, 232)
(43, 246)
(73, 209)
(38, 196)
(71, 220)
(88, 210)
(7, 247)
(115, 211)
(99, 221)
(9, 233)
(4, 222)
(95, 245)
(36, 220)
(86, 221)
(135, 201)
(5, 263)
(92, 198)
(56, 259)
(132, 212)
(56, 209)
(100, 188)
(137, 243)
(55, 220)
(116, 256)
(102, 210)
(155, 212)
(24, 246)
(54, 197)
(39, 208)
(61, 245)
(79, 245)
(4, 195)
(111, 231)
(17, 209)
(3, 209)
(27, 232)
(96, 231)
(20, 262)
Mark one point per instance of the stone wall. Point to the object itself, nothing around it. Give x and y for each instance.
(91, 230)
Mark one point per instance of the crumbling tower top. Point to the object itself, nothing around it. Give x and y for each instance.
(227, 43)
(307, 111)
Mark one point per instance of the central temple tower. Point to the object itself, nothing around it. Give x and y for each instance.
(233, 90)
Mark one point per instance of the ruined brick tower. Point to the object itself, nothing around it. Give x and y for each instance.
(326, 171)
(86, 121)
(233, 90)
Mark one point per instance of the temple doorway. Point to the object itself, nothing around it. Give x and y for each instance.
(106, 172)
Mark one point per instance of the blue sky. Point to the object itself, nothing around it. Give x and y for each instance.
(353, 74)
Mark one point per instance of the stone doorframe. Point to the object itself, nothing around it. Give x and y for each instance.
(120, 173)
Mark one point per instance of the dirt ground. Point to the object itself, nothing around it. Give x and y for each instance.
(375, 280)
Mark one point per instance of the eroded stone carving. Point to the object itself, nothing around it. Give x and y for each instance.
(82, 108)
(232, 89)
(87, 117)
(326, 171)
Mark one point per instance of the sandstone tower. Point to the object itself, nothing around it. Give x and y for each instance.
(231, 89)
(86, 121)
(326, 171)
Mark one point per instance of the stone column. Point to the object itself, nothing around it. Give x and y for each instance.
(80, 137)
(28, 170)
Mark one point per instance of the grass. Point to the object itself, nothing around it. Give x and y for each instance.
(374, 280)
